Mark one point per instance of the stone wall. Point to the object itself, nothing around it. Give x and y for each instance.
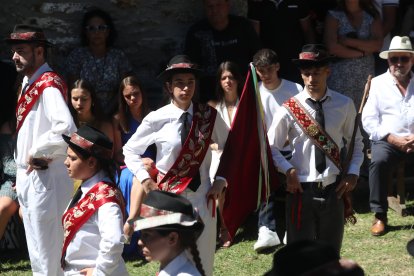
(150, 32)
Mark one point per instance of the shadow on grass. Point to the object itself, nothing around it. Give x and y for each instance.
(12, 260)
(139, 263)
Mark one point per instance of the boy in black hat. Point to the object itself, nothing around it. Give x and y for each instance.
(182, 132)
(42, 184)
(316, 122)
(93, 221)
(169, 225)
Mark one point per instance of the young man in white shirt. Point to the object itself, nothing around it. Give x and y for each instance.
(388, 118)
(314, 205)
(274, 91)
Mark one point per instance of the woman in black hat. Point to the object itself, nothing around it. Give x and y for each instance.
(169, 225)
(182, 132)
(93, 221)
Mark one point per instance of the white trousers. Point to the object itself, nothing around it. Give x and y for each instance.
(43, 197)
(206, 243)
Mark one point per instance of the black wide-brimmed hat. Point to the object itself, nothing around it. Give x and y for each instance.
(179, 64)
(313, 55)
(164, 210)
(27, 34)
(90, 141)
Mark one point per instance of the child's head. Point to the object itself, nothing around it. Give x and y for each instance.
(132, 95)
(168, 225)
(179, 80)
(229, 79)
(267, 66)
(132, 99)
(89, 151)
(83, 101)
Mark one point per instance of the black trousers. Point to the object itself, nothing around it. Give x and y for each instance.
(315, 214)
(384, 158)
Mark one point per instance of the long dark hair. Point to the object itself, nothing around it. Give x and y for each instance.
(95, 107)
(366, 5)
(95, 12)
(124, 114)
(234, 69)
(188, 240)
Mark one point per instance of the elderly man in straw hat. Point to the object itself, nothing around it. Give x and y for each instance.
(43, 186)
(388, 118)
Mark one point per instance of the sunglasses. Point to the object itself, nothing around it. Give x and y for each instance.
(403, 59)
(98, 28)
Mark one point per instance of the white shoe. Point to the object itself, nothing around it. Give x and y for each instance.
(285, 238)
(267, 238)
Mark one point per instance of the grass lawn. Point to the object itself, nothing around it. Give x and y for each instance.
(386, 255)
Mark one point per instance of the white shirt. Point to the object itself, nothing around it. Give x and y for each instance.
(387, 110)
(339, 112)
(222, 111)
(273, 99)
(41, 132)
(99, 241)
(180, 266)
(163, 128)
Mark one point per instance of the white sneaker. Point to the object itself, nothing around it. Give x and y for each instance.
(266, 239)
(285, 238)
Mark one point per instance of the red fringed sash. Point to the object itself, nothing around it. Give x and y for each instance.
(33, 92)
(318, 135)
(193, 152)
(74, 218)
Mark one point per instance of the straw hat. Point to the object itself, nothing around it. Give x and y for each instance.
(399, 44)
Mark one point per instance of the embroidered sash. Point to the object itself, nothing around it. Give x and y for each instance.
(193, 152)
(33, 92)
(315, 131)
(74, 218)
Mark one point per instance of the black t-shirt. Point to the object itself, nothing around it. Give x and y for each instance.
(280, 30)
(208, 48)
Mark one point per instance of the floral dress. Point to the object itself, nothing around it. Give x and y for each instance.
(349, 75)
(104, 73)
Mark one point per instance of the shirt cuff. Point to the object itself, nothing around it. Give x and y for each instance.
(353, 169)
(141, 175)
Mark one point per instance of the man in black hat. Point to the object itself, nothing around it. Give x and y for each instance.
(43, 186)
(316, 121)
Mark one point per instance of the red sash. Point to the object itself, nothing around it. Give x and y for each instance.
(311, 128)
(33, 92)
(193, 152)
(74, 218)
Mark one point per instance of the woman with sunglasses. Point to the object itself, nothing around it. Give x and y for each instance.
(97, 61)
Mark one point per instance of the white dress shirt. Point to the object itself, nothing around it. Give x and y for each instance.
(180, 266)
(222, 111)
(387, 110)
(41, 133)
(339, 114)
(99, 241)
(273, 99)
(163, 127)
